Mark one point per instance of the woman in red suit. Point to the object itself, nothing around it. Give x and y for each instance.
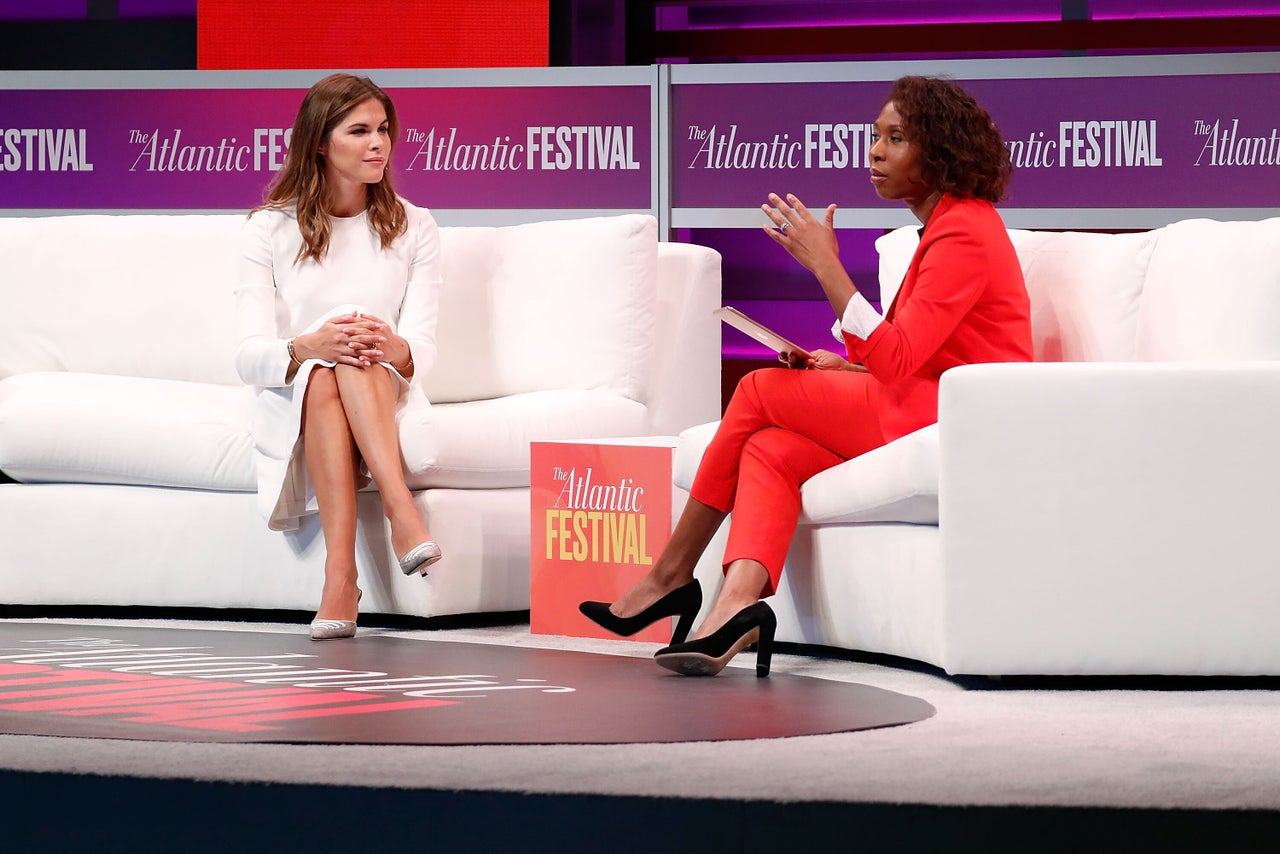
(963, 301)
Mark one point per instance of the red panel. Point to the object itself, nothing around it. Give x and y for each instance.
(250, 34)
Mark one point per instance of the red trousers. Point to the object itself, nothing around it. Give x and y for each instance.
(781, 428)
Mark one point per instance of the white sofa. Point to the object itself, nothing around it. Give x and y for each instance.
(128, 432)
(1108, 509)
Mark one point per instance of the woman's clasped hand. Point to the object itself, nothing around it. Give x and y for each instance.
(356, 339)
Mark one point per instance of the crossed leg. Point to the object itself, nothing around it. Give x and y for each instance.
(348, 415)
(780, 428)
(369, 398)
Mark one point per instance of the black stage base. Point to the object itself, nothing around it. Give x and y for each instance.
(237, 686)
(70, 812)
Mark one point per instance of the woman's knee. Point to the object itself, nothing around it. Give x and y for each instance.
(787, 453)
(373, 379)
(767, 446)
(763, 383)
(322, 385)
(751, 389)
(322, 395)
(749, 383)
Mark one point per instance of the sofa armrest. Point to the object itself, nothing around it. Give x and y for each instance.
(684, 386)
(1103, 517)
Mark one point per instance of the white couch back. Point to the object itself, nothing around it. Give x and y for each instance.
(138, 295)
(1212, 292)
(1195, 289)
(547, 305)
(569, 304)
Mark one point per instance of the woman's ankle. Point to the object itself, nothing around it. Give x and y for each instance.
(342, 579)
(339, 598)
(669, 573)
(407, 528)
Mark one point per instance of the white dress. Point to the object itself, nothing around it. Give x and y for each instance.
(277, 300)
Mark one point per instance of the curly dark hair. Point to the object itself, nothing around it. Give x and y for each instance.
(961, 150)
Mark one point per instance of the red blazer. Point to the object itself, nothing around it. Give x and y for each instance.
(962, 301)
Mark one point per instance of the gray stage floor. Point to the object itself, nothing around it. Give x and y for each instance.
(1160, 744)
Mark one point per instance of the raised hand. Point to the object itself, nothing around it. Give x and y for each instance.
(796, 230)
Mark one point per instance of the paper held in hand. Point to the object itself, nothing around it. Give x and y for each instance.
(789, 353)
(760, 332)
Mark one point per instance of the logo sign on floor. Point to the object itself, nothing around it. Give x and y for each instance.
(600, 515)
(541, 147)
(235, 686)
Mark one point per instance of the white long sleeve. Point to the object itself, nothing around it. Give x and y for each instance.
(277, 299)
(860, 319)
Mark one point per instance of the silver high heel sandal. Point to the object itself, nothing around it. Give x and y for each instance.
(420, 557)
(335, 629)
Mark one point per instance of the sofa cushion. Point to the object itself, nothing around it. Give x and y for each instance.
(895, 250)
(139, 295)
(1085, 290)
(895, 483)
(1212, 292)
(88, 428)
(484, 444)
(91, 428)
(546, 305)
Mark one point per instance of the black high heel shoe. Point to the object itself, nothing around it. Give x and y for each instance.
(708, 656)
(685, 601)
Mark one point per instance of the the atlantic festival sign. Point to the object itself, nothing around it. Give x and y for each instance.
(600, 515)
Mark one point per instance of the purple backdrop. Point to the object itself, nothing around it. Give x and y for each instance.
(1181, 142)
(467, 148)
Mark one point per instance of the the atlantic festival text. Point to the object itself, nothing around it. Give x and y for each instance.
(601, 523)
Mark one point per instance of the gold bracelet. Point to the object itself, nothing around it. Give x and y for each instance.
(408, 365)
(293, 357)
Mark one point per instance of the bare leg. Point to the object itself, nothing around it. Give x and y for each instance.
(331, 462)
(369, 398)
(744, 580)
(698, 523)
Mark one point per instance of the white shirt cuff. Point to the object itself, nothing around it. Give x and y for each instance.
(860, 319)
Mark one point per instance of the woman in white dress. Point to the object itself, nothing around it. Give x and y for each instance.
(336, 307)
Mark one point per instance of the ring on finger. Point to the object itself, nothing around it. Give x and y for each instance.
(786, 223)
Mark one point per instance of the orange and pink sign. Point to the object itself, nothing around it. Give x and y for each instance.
(600, 516)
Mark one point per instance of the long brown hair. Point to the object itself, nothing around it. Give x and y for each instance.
(961, 149)
(300, 184)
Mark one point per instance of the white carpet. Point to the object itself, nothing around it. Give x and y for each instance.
(1183, 747)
